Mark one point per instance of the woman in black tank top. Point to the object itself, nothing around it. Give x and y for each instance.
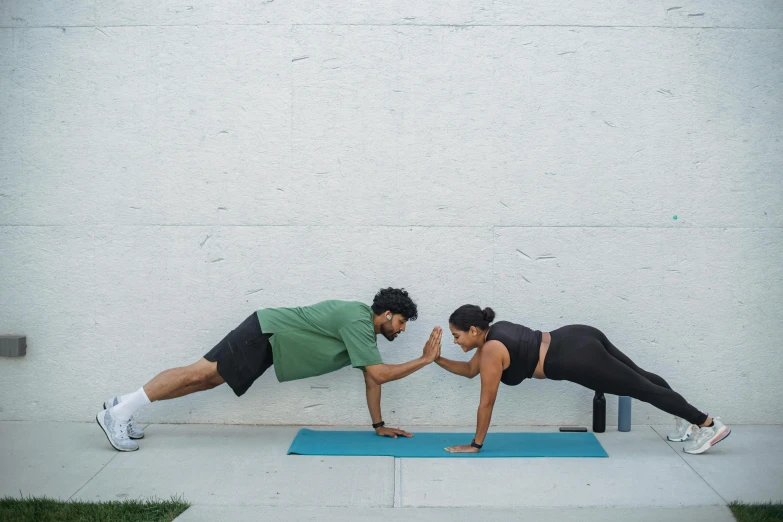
(509, 353)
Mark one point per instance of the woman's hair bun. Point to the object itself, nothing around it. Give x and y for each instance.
(489, 314)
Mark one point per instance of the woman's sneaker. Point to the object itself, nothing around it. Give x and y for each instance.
(682, 432)
(707, 437)
(133, 432)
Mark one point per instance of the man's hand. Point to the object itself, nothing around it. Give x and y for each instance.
(383, 431)
(466, 448)
(432, 347)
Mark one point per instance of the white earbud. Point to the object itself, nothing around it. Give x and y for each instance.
(388, 317)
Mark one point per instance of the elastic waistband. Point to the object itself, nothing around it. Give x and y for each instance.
(552, 359)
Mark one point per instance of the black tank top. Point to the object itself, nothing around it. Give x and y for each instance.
(523, 345)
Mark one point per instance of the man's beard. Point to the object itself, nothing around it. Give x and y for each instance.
(387, 331)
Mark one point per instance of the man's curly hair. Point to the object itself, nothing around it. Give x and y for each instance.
(395, 300)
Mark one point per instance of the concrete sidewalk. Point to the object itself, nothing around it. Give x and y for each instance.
(243, 473)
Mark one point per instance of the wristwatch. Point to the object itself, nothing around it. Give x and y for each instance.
(475, 445)
(378, 425)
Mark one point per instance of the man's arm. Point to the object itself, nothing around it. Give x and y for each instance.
(382, 373)
(374, 405)
(373, 398)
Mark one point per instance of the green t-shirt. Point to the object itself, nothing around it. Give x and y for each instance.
(314, 340)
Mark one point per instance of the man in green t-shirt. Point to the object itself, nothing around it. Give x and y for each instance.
(300, 342)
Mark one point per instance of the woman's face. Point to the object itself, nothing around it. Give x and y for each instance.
(466, 340)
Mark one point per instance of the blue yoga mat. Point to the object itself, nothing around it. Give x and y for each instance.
(430, 445)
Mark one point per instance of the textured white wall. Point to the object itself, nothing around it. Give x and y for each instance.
(168, 167)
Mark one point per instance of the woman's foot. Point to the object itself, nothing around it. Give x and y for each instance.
(682, 431)
(707, 437)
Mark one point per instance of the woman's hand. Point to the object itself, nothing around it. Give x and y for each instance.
(465, 448)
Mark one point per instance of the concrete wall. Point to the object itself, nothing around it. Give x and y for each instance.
(168, 167)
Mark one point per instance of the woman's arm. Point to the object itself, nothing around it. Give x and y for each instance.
(466, 369)
(491, 370)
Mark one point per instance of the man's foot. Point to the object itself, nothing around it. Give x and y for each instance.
(133, 432)
(116, 432)
(707, 437)
(682, 432)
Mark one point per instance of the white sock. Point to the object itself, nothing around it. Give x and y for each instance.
(130, 404)
(124, 398)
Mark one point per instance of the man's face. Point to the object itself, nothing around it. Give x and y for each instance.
(394, 326)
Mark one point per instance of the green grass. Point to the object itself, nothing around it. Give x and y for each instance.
(772, 512)
(50, 510)
(46, 510)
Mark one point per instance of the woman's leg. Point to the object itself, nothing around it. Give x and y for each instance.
(620, 356)
(585, 360)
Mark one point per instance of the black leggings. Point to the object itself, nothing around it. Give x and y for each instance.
(583, 354)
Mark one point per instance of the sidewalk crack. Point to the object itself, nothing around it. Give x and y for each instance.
(689, 465)
(397, 483)
(96, 474)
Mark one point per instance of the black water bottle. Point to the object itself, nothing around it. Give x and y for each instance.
(599, 413)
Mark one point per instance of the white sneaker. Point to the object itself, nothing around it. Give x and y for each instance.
(116, 432)
(707, 437)
(682, 432)
(133, 432)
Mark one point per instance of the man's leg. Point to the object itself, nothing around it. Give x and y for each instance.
(242, 356)
(178, 382)
(169, 384)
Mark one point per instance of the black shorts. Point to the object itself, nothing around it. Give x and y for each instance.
(243, 355)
